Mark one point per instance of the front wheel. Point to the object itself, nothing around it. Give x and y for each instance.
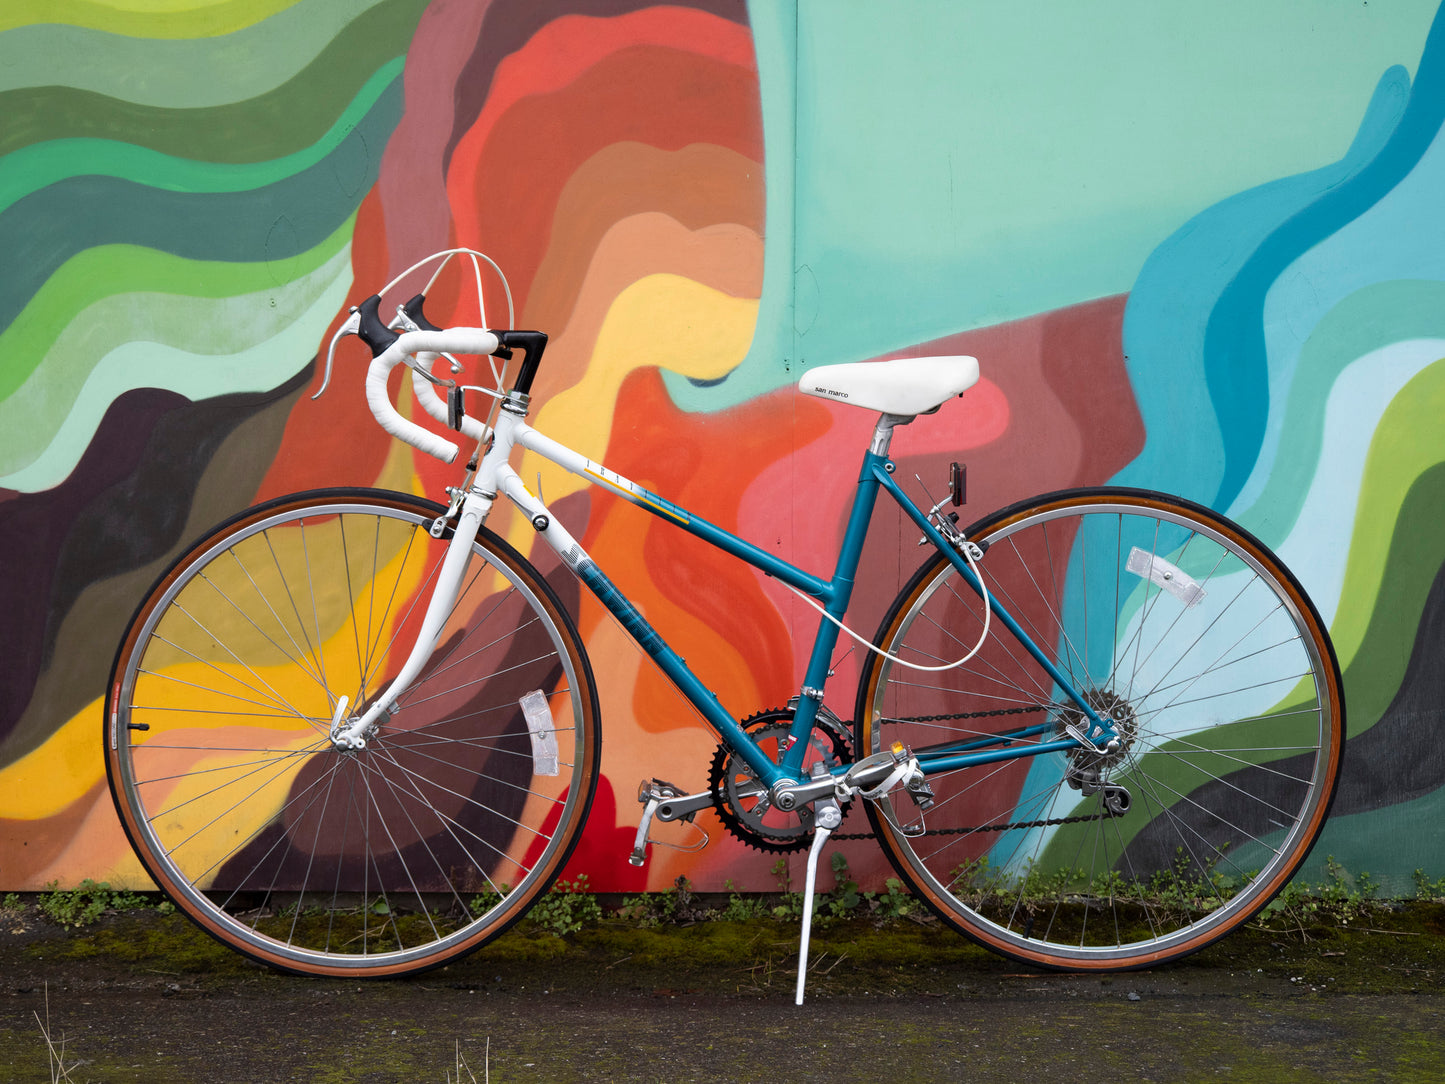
(1193, 638)
(396, 857)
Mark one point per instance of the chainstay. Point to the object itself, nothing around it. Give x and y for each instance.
(1033, 708)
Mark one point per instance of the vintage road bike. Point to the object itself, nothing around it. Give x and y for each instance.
(355, 732)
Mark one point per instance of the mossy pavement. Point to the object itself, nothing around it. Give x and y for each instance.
(144, 996)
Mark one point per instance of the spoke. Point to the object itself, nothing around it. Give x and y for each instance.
(450, 825)
(423, 838)
(467, 799)
(269, 695)
(294, 653)
(280, 762)
(1005, 644)
(313, 647)
(195, 773)
(282, 838)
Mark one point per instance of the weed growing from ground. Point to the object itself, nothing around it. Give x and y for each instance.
(741, 908)
(844, 901)
(1426, 889)
(81, 906)
(566, 908)
(1338, 901)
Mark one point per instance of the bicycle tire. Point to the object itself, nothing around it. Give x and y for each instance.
(1222, 681)
(387, 860)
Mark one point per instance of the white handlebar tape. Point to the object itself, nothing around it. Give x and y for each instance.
(457, 340)
(432, 402)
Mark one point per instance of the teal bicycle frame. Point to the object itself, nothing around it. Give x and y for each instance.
(833, 594)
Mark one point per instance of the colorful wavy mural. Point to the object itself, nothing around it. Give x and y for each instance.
(1226, 288)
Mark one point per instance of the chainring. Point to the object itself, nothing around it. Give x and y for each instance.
(742, 800)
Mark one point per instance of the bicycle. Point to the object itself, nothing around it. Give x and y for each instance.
(355, 732)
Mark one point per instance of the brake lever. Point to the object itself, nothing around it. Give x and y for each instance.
(403, 321)
(351, 326)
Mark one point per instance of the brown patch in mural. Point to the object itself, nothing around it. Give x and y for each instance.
(1083, 358)
(1072, 422)
(664, 97)
(159, 469)
(510, 24)
(698, 185)
(199, 465)
(34, 531)
(27, 846)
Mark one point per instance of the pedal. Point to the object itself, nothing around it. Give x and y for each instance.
(917, 788)
(668, 803)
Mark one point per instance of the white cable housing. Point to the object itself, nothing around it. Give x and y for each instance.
(982, 636)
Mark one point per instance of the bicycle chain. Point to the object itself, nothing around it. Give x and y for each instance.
(971, 714)
(986, 828)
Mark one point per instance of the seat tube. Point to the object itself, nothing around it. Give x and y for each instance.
(850, 554)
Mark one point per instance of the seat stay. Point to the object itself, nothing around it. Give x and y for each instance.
(1099, 731)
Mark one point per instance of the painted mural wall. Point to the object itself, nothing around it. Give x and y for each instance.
(1200, 251)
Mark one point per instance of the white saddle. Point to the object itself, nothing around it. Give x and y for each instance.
(904, 386)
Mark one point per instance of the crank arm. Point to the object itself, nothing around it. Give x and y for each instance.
(683, 806)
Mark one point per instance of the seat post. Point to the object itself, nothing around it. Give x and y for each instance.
(883, 434)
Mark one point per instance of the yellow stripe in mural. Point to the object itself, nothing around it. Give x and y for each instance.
(661, 321)
(192, 689)
(45, 781)
(145, 18)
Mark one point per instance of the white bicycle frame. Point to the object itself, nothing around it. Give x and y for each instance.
(495, 476)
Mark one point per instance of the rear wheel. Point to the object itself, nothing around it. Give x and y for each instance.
(1219, 677)
(396, 857)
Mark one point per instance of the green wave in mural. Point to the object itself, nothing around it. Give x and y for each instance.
(280, 122)
(43, 164)
(1393, 556)
(197, 346)
(157, 72)
(259, 367)
(96, 273)
(43, 230)
(1367, 320)
(178, 19)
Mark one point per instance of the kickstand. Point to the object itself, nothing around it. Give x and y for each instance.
(826, 817)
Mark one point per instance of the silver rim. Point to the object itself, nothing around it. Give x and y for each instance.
(1220, 687)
